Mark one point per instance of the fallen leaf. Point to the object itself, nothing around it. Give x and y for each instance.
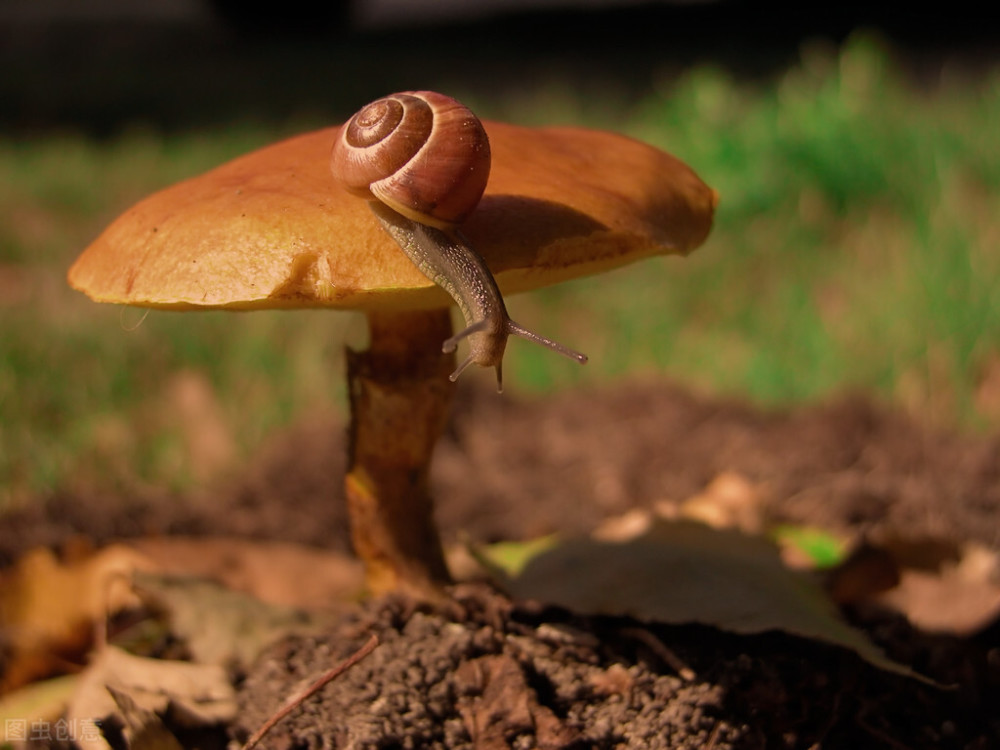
(866, 572)
(962, 597)
(685, 572)
(281, 573)
(143, 729)
(808, 547)
(49, 610)
(217, 625)
(42, 701)
(928, 553)
(190, 695)
(628, 525)
(511, 557)
(729, 501)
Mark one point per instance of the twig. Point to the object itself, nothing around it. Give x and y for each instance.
(713, 738)
(879, 734)
(298, 699)
(659, 648)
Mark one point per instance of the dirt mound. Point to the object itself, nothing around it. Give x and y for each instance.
(499, 676)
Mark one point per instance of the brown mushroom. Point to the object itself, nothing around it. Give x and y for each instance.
(272, 230)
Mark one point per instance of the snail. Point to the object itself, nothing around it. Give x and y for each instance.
(422, 161)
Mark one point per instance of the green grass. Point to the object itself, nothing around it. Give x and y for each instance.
(856, 247)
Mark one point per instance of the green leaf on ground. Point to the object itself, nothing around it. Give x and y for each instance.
(509, 558)
(820, 547)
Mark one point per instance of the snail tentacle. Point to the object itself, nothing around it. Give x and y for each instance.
(451, 344)
(468, 361)
(514, 329)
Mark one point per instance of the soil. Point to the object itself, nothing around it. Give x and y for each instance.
(501, 677)
(493, 674)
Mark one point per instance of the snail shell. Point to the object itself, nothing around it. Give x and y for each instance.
(419, 152)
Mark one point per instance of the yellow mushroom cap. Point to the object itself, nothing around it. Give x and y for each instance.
(271, 229)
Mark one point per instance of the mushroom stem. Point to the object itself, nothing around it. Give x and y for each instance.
(399, 399)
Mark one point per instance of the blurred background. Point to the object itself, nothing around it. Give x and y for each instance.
(856, 247)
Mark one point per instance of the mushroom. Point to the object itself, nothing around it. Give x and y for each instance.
(273, 229)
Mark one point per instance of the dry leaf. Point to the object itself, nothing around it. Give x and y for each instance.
(49, 610)
(938, 584)
(729, 501)
(191, 695)
(628, 525)
(38, 703)
(143, 729)
(867, 571)
(281, 573)
(239, 626)
(962, 597)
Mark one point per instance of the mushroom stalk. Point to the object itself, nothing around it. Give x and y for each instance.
(399, 400)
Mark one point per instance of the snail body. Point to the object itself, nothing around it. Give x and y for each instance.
(423, 160)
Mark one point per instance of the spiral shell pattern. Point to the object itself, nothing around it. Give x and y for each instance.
(421, 153)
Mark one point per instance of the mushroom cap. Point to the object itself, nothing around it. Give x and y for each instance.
(271, 229)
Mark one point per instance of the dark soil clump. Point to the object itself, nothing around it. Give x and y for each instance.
(505, 677)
